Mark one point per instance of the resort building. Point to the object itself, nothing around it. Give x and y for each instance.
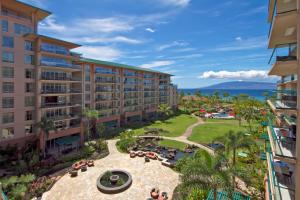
(42, 77)
(284, 154)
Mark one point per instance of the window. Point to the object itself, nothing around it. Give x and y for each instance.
(87, 97)
(28, 129)
(7, 41)
(22, 29)
(52, 48)
(28, 46)
(29, 59)
(7, 72)
(29, 73)
(29, 115)
(7, 133)
(8, 87)
(7, 102)
(87, 87)
(7, 56)
(29, 101)
(29, 87)
(8, 118)
(4, 26)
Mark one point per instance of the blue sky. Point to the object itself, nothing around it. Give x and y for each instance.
(200, 42)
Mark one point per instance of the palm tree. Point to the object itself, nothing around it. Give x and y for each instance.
(237, 108)
(232, 142)
(226, 95)
(90, 115)
(100, 129)
(206, 172)
(165, 110)
(46, 125)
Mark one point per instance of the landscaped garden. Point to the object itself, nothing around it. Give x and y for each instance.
(173, 127)
(213, 128)
(193, 175)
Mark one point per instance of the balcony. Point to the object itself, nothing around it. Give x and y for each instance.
(283, 143)
(60, 91)
(284, 60)
(281, 178)
(282, 18)
(51, 78)
(285, 100)
(68, 66)
(58, 104)
(288, 79)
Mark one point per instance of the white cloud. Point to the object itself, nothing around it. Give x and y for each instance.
(247, 44)
(100, 52)
(160, 63)
(116, 39)
(238, 39)
(179, 3)
(50, 24)
(150, 30)
(105, 25)
(235, 74)
(189, 56)
(184, 50)
(173, 44)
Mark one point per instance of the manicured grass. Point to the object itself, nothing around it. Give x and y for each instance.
(175, 126)
(172, 144)
(213, 128)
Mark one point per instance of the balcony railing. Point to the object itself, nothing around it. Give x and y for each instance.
(51, 105)
(287, 79)
(285, 8)
(63, 65)
(283, 53)
(281, 179)
(51, 78)
(60, 91)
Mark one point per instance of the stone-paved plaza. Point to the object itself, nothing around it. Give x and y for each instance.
(145, 176)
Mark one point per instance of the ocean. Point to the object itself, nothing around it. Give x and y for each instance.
(257, 94)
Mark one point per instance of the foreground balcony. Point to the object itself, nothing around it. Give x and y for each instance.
(283, 143)
(281, 179)
(283, 22)
(284, 60)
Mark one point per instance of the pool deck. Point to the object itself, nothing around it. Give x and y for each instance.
(145, 176)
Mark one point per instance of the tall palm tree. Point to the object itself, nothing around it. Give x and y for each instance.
(233, 142)
(46, 125)
(207, 172)
(90, 115)
(100, 128)
(165, 110)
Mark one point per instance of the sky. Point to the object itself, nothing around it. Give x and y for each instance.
(199, 42)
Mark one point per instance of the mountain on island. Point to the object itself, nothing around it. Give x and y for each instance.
(242, 85)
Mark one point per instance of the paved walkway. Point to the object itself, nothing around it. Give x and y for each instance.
(145, 176)
(189, 130)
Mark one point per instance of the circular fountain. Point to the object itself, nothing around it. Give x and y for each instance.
(114, 181)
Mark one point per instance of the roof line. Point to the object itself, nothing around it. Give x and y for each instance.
(34, 7)
(108, 63)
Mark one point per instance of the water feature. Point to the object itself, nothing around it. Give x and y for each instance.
(114, 181)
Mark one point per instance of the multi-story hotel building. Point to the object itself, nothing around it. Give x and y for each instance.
(284, 155)
(42, 77)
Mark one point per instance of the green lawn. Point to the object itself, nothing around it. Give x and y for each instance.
(172, 144)
(215, 128)
(175, 125)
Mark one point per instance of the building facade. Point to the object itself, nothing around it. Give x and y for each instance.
(283, 156)
(42, 78)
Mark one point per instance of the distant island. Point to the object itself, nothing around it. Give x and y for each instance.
(242, 85)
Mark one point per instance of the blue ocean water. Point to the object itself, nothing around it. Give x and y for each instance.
(258, 94)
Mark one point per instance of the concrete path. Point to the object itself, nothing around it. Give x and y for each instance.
(188, 132)
(145, 176)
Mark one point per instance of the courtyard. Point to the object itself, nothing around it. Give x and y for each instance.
(145, 177)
